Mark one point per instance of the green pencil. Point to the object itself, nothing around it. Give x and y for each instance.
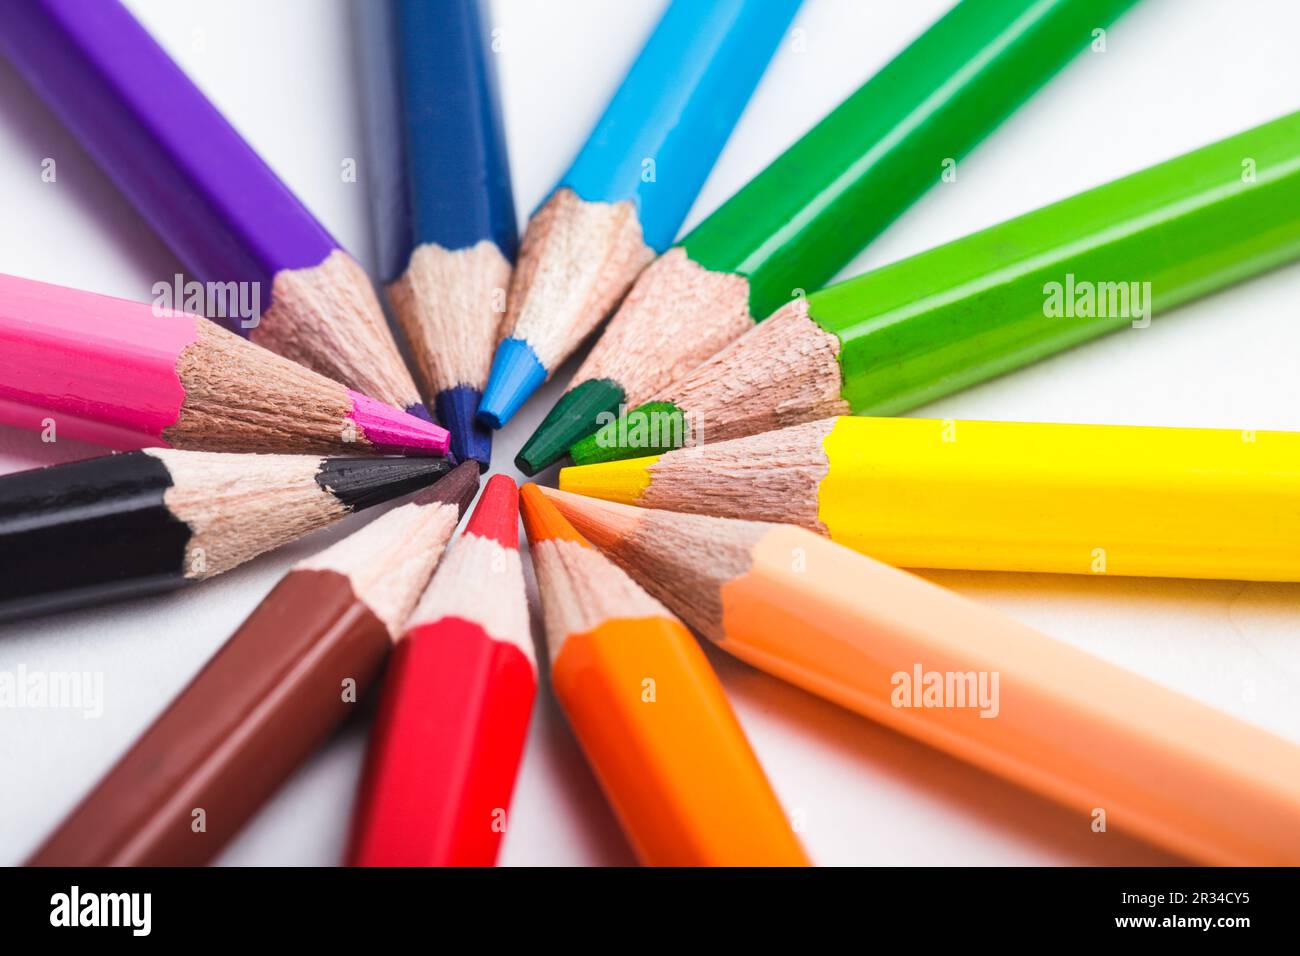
(922, 328)
(817, 205)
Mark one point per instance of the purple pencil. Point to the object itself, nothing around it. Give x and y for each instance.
(225, 214)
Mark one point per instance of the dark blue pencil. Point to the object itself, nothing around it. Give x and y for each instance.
(441, 192)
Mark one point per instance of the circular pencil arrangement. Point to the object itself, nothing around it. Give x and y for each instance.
(719, 484)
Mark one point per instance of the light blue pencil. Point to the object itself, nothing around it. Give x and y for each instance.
(631, 186)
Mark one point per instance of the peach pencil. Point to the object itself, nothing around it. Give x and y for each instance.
(966, 680)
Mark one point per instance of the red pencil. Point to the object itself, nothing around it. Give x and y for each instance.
(455, 707)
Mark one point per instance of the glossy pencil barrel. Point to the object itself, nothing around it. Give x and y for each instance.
(649, 712)
(1115, 257)
(631, 185)
(432, 794)
(998, 496)
(459, 167)
(676, 107)
(268, 698)
(132, 375)
(216, 202)
(87, 532)
(967, 680)
(122, 525)
(457, 699)
(267, 267)
(103, 370)
(449, 284)
(291, 673)
(661, 737)
(801, 219)
(1067, 725)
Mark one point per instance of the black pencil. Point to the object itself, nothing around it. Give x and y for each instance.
(151, 520)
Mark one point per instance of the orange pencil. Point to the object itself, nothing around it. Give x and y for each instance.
(1102, 741)
(650, 713)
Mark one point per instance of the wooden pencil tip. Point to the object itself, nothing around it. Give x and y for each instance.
(496, 516)
(458, 488)
(456, 409)
(603, 523)
(542, 522)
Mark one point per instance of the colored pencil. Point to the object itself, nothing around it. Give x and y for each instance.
(145, 521)
(922, 328)
(444, 207)
(128, 375)
(291, 673)
(649, 712)
(387, 176)
(627, 192)
(801, 220)
(232, 222)
(965, 679)
(455, 706)
(997, 496)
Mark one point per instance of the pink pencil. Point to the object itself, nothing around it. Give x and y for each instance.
(127, 375)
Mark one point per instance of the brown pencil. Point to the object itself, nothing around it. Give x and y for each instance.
(288, 676)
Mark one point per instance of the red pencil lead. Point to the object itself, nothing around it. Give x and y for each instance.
(496, 516)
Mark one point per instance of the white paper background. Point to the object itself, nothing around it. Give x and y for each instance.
(1176, 74)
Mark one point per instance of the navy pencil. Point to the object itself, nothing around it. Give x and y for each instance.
(443, 203)
(385, 169)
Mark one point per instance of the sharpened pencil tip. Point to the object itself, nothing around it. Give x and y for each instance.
(622, 481)
(516, 374)
(542, 522)
(496, 516)
(360, 483)
(458, 488)
(470, 438)
(575, 416)
(393, 432)
(420, 411)
(650, 429)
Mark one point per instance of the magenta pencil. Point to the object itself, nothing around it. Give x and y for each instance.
(127, 375)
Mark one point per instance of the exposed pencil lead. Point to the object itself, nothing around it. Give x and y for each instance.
(458, 488)
(362, 482)
(516, 374)
(470, 439)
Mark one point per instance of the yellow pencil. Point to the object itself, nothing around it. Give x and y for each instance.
(1009, 496)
